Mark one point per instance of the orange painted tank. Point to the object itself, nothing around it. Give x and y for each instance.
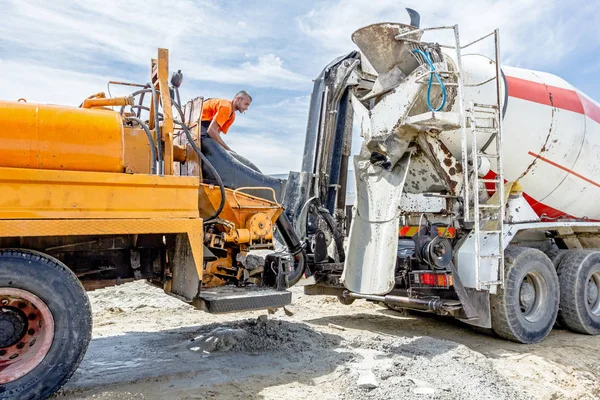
(57, 137)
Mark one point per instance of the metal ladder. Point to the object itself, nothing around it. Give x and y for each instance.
(487, 218)
(479, 214)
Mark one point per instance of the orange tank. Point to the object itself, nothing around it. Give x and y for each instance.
(57, 137)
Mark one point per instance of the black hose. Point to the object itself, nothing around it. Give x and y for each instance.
(156, 126)
(339, 242)
(142, 92)
(150, 139)
(140, 105)
(209, 166)
(178, 108)
(294, 246)
(178, 99)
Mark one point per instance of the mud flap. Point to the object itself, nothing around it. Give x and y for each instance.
(373, 241)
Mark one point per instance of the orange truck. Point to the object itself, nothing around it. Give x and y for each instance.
(109, 192)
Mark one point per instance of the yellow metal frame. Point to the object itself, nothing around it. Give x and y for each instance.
(47, 194)
(81, 227)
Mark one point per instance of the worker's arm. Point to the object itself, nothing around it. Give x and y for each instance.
(215, 134)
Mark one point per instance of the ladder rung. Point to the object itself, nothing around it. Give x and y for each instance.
(490, 206)
(488, 155)
(487, 106)
(484, 129)
(491, 256)
(495, 180)
(490, 231)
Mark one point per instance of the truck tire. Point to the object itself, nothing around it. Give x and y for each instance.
(579, 277)
(556, 256)
(525, 309)
(46, 323)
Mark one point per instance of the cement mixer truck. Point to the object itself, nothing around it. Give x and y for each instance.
(477, 185)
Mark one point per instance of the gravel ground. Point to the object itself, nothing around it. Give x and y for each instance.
(147, 345)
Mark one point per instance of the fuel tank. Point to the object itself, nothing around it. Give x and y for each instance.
(60, 138)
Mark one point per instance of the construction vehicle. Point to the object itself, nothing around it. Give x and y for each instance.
(94, 196)
(476, 184)
(454, 212)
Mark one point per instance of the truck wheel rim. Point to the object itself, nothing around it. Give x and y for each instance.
(533, 296)
(593, 293)
(26, 333)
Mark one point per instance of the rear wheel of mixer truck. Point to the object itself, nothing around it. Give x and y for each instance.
(579, 276)
(525, 309)
(45, 324)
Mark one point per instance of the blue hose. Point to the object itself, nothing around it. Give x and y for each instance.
(437, 76)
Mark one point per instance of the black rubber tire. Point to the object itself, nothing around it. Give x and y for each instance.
(556, 256)
(58, 287)
(508, 320)
(574, 272)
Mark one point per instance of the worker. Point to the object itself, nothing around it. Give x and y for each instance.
(218, 115)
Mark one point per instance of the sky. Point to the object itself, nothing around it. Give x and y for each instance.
(61, 51)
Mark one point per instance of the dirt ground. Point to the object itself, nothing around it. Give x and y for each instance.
(147, 345)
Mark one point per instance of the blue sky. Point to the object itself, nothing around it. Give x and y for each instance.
(62, 51)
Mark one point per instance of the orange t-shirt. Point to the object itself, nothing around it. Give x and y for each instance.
(222, 109)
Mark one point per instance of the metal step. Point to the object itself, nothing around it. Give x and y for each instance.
(227, 299)
(488, 155)
(486, 129)
(492, 206)
(489, 180)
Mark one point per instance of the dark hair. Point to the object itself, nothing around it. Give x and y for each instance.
(243, 93)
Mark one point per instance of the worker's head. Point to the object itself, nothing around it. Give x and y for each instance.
(241, 101)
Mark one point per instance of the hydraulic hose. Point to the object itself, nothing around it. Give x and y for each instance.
(437, 76)
(156, 127)
(339, 242)
(294, 246)
(150, 139)
(209, 166)
(138, 92)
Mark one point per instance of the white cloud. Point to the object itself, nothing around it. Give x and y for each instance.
(47, 85)
(266, 71)
(531, 32)
(202, 38)
(62, 51)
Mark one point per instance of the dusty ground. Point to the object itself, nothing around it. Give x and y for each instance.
(142, 348)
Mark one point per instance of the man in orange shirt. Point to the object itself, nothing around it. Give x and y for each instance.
(218, 115)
